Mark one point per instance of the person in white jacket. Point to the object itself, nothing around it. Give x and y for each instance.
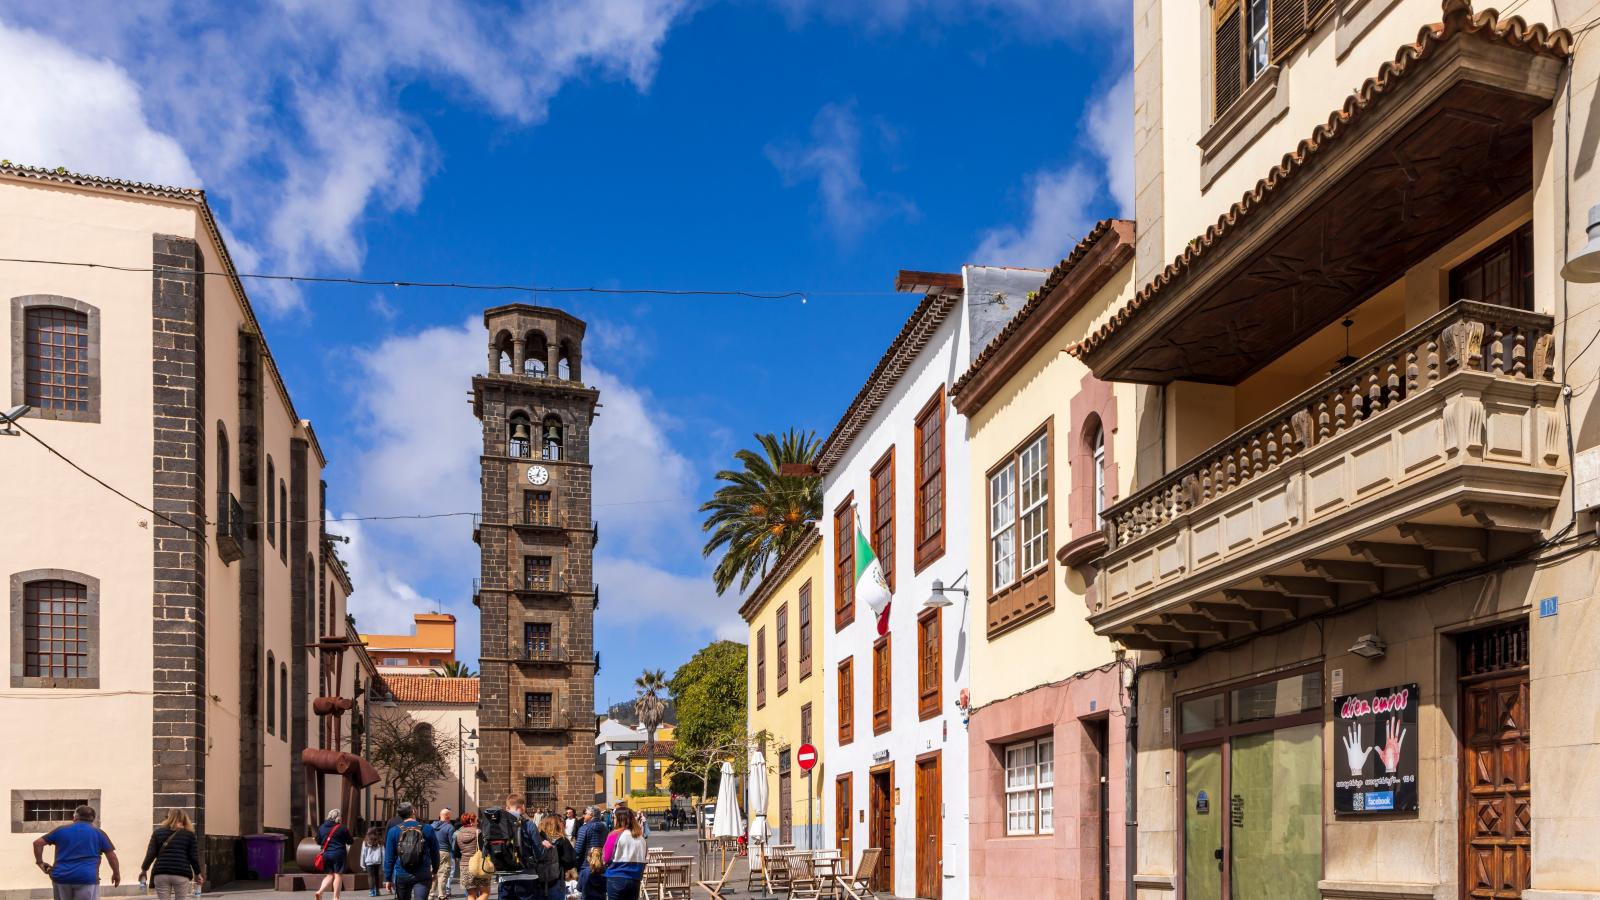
(372, 858)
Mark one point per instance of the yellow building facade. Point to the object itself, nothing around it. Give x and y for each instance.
(784, 615)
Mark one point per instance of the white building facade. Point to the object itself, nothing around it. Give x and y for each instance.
(894, 732)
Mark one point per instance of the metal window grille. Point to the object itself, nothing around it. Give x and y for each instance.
(56, 352)
(51, 810)
(55, 635)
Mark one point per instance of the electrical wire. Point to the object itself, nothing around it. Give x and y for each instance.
(472, 286)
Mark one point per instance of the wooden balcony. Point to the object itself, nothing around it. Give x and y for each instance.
(1439, 451)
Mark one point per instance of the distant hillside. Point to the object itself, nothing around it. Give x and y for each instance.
(623, 712)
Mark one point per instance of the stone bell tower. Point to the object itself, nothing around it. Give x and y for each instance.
(536, 592)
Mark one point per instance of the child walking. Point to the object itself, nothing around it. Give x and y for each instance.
(372, 858)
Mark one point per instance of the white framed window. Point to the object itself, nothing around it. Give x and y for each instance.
(1030, 787)
(1257, 56)
(1033, 466)
(1002, 527)
(1098, 448)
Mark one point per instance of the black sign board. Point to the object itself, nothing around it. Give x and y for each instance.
(1375, 751)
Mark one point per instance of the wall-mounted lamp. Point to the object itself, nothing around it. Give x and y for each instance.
(940, 596)
(1584, 266)
(1369, 646)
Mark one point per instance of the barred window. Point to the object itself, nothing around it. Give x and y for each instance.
(55, 630)
(51, 810)
(56, 364)
(538, 639)
(540, 708)
(1030, 787)
(536, 573)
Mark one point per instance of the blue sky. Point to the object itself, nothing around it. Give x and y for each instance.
(805, 145)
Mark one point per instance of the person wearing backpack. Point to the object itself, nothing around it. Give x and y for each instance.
(410, 853)
(537, 862)
(566, 858)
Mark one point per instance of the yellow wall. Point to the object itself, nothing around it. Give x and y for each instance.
(1060, 643)
(779, 718)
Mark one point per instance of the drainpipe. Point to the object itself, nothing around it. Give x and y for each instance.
(1130, 763)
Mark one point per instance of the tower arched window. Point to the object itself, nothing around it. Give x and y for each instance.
(283, 701)
(536, 361)
(272, 502)
(564, 364)
(501, 354)
(519, 436)
(553, 436)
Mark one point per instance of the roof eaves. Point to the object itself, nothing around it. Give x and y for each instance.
(913, 337)
(1458, 19)
(1047, 296)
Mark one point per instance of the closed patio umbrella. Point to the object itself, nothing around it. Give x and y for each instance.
(757, 787)
(729, 822)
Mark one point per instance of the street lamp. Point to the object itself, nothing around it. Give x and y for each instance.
(938, 599)
(11, 415)
(462, 736)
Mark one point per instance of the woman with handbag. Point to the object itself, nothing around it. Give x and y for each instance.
(175, 854)
(336, 841)
(474, 879)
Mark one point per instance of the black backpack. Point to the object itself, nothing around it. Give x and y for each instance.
(410, 847)
(500, 839)
(547, 863)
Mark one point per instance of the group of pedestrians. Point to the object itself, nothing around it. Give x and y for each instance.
(601, 855)
(171, 862)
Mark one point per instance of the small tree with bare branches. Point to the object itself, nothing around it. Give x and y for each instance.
(412, 756)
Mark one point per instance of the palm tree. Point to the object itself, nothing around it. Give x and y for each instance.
(454, 669)
(650, 709)
(759, 513)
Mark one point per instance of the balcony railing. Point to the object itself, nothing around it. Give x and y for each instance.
(544, 722)
(536, 654)
(1458, 413)
(230, 527)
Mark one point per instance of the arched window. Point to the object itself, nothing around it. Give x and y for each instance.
(283, 520)
(519, 436)
(500, 355)
(424, 733)
(55, 629)
(1097, 456)
(272, 503)
(224, 470)
(564, 364)
(272, 693)
(536, 355)
(56, 364)
(283, 701)
(553, 437)
(314, 624)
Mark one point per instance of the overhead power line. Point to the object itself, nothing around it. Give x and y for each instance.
(507, 287)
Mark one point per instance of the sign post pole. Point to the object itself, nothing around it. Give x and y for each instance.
(806, 757)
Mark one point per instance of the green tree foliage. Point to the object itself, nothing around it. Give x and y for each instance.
(454, 669)
(650, 709)
(758, 514)
(709, 691)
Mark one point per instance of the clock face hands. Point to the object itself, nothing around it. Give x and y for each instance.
(538, 475)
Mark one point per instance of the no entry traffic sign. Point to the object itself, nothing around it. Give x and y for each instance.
(806, 757)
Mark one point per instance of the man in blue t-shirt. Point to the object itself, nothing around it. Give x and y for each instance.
(75, 875)
(410, 881)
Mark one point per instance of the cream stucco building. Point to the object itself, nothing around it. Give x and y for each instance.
(1354, 560)
(787, 631)
(1047, 445)
(164, 643)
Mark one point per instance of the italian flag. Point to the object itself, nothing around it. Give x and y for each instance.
(871, 586)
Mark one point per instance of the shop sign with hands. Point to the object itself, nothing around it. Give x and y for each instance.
(1375, 764)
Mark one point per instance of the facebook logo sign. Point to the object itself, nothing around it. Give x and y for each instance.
(1379, 800)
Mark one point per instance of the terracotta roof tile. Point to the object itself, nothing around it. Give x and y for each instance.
(431, 689)
(1458, 19)
(1037, 300)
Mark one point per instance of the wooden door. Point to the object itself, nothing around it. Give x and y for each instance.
(880, 828)
(785, 809)
(1496, 809)
(844, 820)
(930, 829)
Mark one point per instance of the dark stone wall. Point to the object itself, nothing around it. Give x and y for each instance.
(178, 529)
(251, 617)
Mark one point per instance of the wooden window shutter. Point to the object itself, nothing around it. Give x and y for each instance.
(1316, 10)
(1286, 20)
(1228, 62)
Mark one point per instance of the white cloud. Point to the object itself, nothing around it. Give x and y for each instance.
(1062, 201)
(833, 159)
(1108, 126)
(637, 595)
(422, 446)
(63, 108)
(292, 111)
(383, 602)
(1058, 214)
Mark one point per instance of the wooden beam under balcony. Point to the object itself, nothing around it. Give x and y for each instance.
(1403, 557)
(1471, 542)
(1199, 625)
(1232, 614)
(1167, 634)
(1344, 571)
(1301, 587)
